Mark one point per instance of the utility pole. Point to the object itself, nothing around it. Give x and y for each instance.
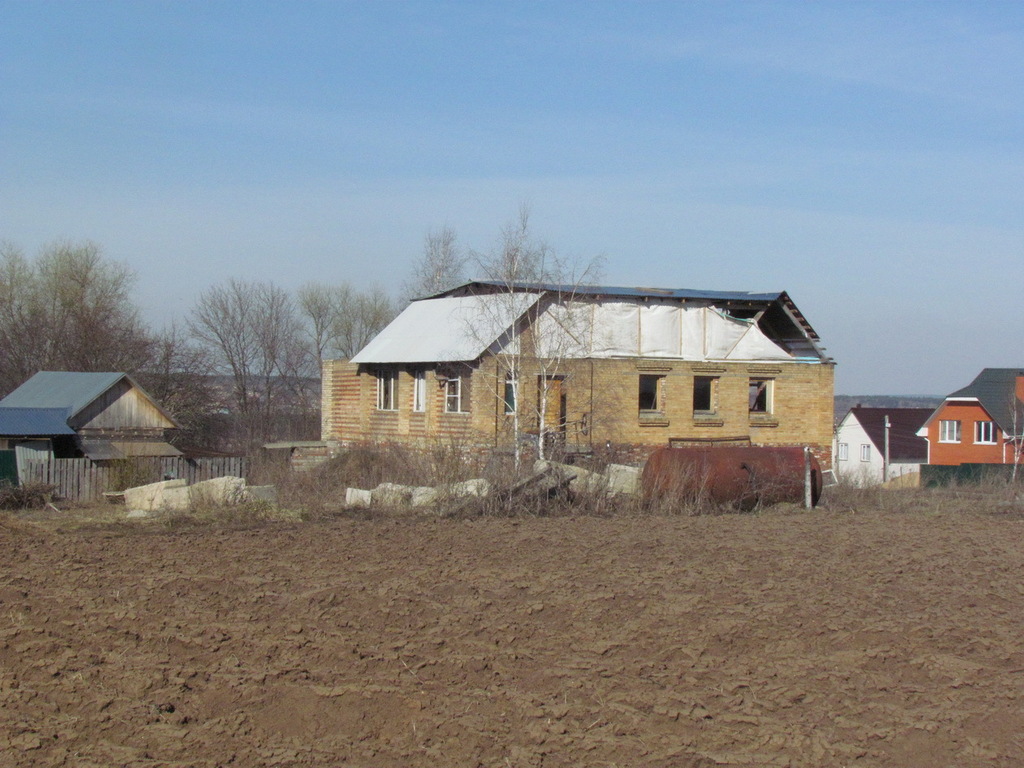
(885, 459)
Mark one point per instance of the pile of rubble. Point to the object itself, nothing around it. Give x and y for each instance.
(548, 478)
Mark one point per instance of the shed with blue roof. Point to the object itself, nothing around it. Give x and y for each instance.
(75, 414)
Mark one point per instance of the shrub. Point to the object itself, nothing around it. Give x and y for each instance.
(27, 496)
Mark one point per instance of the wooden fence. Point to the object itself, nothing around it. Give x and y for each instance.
(83, 480)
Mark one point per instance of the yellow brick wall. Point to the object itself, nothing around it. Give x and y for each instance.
(601, 399)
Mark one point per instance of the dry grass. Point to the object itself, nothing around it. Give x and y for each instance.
(320, 494)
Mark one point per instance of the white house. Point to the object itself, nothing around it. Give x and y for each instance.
(860, 444)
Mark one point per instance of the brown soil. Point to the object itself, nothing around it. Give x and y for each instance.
(772, 640)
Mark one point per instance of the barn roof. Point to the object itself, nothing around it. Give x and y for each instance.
(34, 422)
(70, 390)
(67, 391)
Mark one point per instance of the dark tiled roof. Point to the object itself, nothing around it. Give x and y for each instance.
(994, 388)
(904, 444)
(34, 422)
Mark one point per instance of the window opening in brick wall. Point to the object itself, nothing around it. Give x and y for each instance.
(705, 394)
(509, 397)
(454, 395)
(759, 395)
(387, 386)
(419, 391)
(650, 393)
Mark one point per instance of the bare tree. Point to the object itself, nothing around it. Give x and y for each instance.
(251, 330)
(318, 304)
(178, 376)
(69, 309)
(340, 320)
(362, 315)
(441, 266)
(554, 329)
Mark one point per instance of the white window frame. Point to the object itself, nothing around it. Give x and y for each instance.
(453, 393)
(419, 391)
(865, 451)
(768, 389)
(981, 427)
(843, 452)
(949, 430)
(510, 394)
(387, 388)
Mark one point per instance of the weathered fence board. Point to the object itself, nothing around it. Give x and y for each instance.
(84, 480)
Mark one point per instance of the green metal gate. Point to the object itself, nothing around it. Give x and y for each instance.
(8, 467)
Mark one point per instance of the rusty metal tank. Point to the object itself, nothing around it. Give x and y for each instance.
(743, 476)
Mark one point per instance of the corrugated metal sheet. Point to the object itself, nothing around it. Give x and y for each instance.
(70, 390)
(579, 291)
(450, 329)
(34, 422)
(73, 391)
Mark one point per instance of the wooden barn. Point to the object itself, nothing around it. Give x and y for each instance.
(68, 414)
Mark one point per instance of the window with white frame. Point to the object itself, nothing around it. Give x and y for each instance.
(865, 452)
(387, 384)
(985, 432)
(949, 431)
(419, 391)
(509, 396)
(759, 395)
(843, 452)
(454, 395)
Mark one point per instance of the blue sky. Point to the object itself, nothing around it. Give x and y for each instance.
(866, 157)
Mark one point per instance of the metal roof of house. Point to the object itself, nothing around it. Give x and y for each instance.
(446, 329)
(621, 291)
(904, 443)
(34, 422)
(995, 389)
(722, 299)
(70, 390)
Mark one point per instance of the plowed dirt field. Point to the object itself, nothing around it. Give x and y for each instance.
(785, 639)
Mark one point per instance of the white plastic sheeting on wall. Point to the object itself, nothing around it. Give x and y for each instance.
(654, 330)
(461, 328)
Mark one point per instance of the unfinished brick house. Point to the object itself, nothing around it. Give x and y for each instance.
(585, 368)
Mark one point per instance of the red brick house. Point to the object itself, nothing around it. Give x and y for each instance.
(979, 424)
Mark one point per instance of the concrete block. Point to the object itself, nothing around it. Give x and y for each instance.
(392, 495)
(357, 497)
(151, 497)
(622, 479)
(178, 499)
(219, 492)
(425, 496)
(475, 487)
